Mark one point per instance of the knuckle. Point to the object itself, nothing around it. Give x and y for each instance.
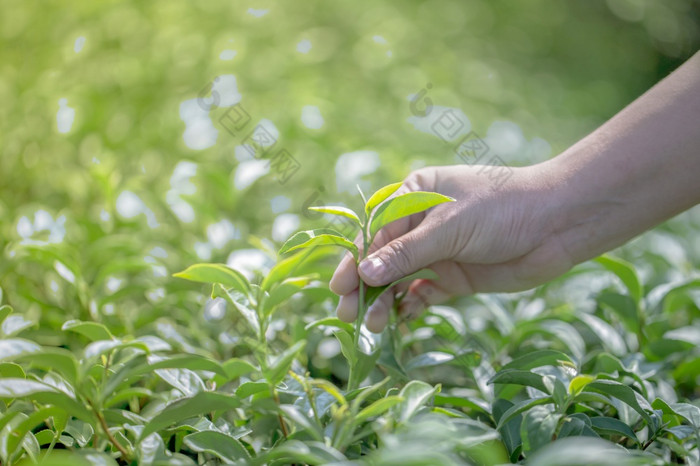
(401, 257)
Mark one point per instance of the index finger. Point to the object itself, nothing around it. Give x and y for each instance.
(345, 278)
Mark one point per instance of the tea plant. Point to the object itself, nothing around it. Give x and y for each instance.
(543, 377)
(377, 213)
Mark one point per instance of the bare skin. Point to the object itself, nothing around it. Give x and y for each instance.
(640, 168)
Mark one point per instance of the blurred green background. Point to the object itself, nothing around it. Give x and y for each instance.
(106, 156)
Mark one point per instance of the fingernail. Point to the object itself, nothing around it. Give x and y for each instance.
(373, 268)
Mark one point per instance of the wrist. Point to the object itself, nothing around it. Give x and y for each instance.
(584, 203)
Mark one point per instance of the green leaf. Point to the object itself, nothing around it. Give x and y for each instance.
(16, 347)
(225, 447)
(380, 196)
(537, 428)
(251, 388)
(308, 452)
(28, 424)
(293, 266)
(377, 408)
(97, 348)
(337, 210)
(92, 330)
(10, 369)
(216, 273)
(625, 272)
(508, 428)
(43, 393)
(612, 426)
(347, 346)
(305, 422)
(14, 324)
(518, 377)
(365, 364)
(196, 405)
(331, 322)
(690, 412)
(540, 358)
(625, 394)
(374, 292)
(5, 311)
(429, 359)
(318, 237)
(233, 369)
(624, 307)
(403, 206)
(415, 395)
(285, 290)
(241, 303)
(520, 407)
(56, 359)
(279, 368)
(181, 361)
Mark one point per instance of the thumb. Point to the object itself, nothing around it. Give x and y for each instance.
(402, 256)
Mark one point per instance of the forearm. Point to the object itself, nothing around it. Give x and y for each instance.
(637, 170)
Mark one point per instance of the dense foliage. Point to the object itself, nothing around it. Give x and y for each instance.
(125, 159)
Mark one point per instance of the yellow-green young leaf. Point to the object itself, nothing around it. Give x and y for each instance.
(216, 273)
(403, 206)
(4, 311)
(319, 237)
(378, 408)
(92, 330)
(579, 382)
(337, 210)
(296, 265)
(380, 196)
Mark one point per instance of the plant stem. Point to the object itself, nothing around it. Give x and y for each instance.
(361, 311)
(112, 439)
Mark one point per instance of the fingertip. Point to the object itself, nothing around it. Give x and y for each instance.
(347, 307)
(378, 313)
(377, 319)
(345, 278)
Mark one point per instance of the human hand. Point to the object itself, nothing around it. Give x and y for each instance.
(492, 239)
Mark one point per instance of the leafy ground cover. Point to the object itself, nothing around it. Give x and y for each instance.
(106, 191)
(255, 381)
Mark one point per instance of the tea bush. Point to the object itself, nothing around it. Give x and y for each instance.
(504, 379)
(152, 310)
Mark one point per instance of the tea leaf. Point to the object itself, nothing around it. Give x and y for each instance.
(279, 368)
(196, 405)
(319, 237)
(415, 395)
(331, 322)
(374, 292)
(381, 195)
(625, 272)
(377, 408)
(221, 445)
(625, 394)
(233, 369)
(612, 426)
(403, 206)
(216, 273)
(338, 210)
(538, 427)
(539, 358)
(92, 330)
